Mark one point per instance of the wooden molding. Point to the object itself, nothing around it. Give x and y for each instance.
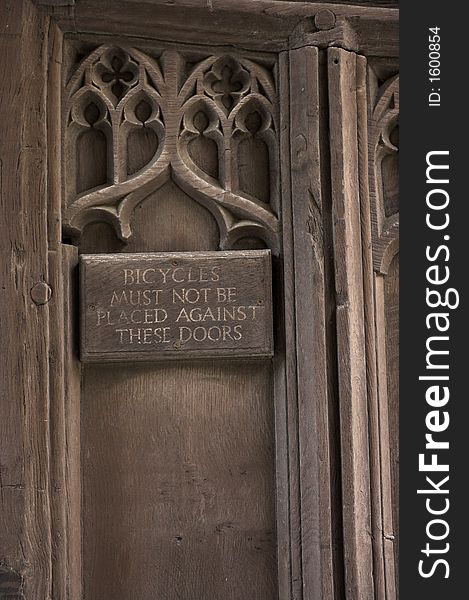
(346, 78)
(267, 25)
(310, 214)
(380, 250)
(384, 120)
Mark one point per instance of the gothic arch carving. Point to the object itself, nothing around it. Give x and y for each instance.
(201, 124)
(384, 148)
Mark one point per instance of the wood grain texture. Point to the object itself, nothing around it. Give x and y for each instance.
(233, 466)
(54, 2)
(25, 540)
(362, 3)
(377, 139)
(344, 75)
(380, 492)
(64, 376)
(58, 424)
(284, 362)
(372, 36)
(262, 25)
(374, 415)
(391, 291)
(72, 406)
(308, 241)
(178, 462)
(387, 291)
(178, 466)
(382, 223)
(335, 520)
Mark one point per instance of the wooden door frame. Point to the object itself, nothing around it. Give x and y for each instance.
(321, 272)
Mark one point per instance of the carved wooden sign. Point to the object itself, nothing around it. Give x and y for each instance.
(167, 305)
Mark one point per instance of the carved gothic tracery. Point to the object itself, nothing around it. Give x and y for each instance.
(210, 125)
(384, 150)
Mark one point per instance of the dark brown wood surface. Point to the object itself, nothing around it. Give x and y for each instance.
(383, 149)
(178, 470)
(178, 490)
(178, 462)
(25, 527)
(311, 213)
(346, 75)
(392, 371)
(272, 479)
(368, 27)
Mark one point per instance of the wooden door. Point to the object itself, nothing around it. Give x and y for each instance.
(148, 126)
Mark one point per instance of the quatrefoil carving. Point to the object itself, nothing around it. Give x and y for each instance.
(115, 73)
(213, 131)
(226, 82)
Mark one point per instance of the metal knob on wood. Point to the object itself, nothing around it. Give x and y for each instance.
(41, 293)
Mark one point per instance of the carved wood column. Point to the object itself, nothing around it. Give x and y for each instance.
(347, 73)
(382, 251)
(364, 112)
(309, 229)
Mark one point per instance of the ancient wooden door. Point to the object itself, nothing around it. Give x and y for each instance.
(143, 126)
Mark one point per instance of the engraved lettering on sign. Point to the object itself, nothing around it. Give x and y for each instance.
(151, 306)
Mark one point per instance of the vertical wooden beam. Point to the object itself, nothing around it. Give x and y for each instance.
(370, 333)
(309, 295)
(388, 589)
(64, 366)
(383, 103)
(72, 411)
(25, 540)
(65, 382)
(288, 555)
(345, 164)
(384, 568)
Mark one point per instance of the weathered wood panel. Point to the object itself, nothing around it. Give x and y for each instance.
(387, 447)
(391, 294)
(25, 540)
(72, 433)
(310, 199)
(383, 148)
(178, 461)
(179, 495)
(346, 74)
(37, 515)
(264, 24)
(40, 476)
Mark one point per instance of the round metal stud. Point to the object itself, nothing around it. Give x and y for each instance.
(41, 293)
